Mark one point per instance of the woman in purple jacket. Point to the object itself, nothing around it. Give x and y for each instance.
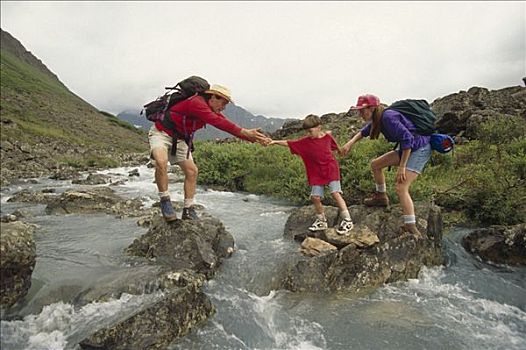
(411, 157)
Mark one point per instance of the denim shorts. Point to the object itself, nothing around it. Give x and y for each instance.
(318, 190)
(418, 158)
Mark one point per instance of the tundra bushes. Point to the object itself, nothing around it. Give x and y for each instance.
(487, 179)
(484, 179)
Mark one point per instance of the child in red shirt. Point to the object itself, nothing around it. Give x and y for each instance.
(315, 150)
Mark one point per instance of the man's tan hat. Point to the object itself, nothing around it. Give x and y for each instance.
(220, 90)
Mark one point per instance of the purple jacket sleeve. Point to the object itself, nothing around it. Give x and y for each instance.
(397, 131)
(366, 130)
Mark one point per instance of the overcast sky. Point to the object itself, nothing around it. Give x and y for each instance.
(280, 59)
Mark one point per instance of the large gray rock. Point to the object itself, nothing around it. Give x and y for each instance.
(27, 196)
(184, 244)
(461, 113)
(183, 254)
(397, 255)
(181, 307)
(94, 200)
(93, 179)
(498, 244)
(17, 260)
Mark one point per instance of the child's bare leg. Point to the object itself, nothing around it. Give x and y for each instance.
(344, 211)
(318, 207)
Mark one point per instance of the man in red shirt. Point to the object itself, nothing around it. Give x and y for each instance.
(322, 169)
(185, 118)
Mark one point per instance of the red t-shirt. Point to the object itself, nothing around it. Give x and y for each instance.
(316, 153)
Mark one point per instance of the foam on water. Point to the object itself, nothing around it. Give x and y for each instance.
(461, 311)
(260, 322)
(61, 325)
(287, 332)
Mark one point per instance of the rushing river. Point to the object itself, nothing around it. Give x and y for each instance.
(464, 305)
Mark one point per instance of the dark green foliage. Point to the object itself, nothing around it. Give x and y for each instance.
(488, 177)
(248, 167)
(484, 179)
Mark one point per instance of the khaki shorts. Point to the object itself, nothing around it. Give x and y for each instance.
(160, 139)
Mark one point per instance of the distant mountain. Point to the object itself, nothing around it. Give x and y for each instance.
(236, 114)
(134, 118)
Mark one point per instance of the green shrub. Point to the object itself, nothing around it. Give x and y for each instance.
(488, 178)
(484, 179)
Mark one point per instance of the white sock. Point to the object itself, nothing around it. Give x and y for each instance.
(188, 202)
(380, 188)
(321, 216)
(345, 214)
(409, 219)
(164, 194)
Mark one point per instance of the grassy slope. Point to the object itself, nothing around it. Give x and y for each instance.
(37, 109)
(42, 106)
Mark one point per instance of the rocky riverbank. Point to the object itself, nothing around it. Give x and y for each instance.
(24, 160)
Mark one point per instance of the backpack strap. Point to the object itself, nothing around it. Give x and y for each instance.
(188, 138)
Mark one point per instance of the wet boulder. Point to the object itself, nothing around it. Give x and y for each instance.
(179, 307)
(95, 200)
(498, 244)
(17, 260)
(198, 245)
(134, 172)
(376, 251)
(93, 179)
(66, 173)
(181, 255)
(27, 196)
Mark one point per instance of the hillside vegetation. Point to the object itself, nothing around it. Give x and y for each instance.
(482, 182)
(46, 128)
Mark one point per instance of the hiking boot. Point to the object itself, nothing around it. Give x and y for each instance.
(412, 229)
(318, 225)
(345, 227)
(378, 199)
(189, 213)
(167, 210)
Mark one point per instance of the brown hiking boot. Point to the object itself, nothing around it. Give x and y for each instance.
(378, 199)
(412, 229)
(189, 214)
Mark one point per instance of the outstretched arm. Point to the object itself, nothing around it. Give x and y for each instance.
(255, 135)
(279, 142)
(347, 147)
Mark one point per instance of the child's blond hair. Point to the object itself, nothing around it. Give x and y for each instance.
(311, 121)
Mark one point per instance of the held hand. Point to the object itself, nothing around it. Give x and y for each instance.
(400, 175)
(255, 135)
(345, 149)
